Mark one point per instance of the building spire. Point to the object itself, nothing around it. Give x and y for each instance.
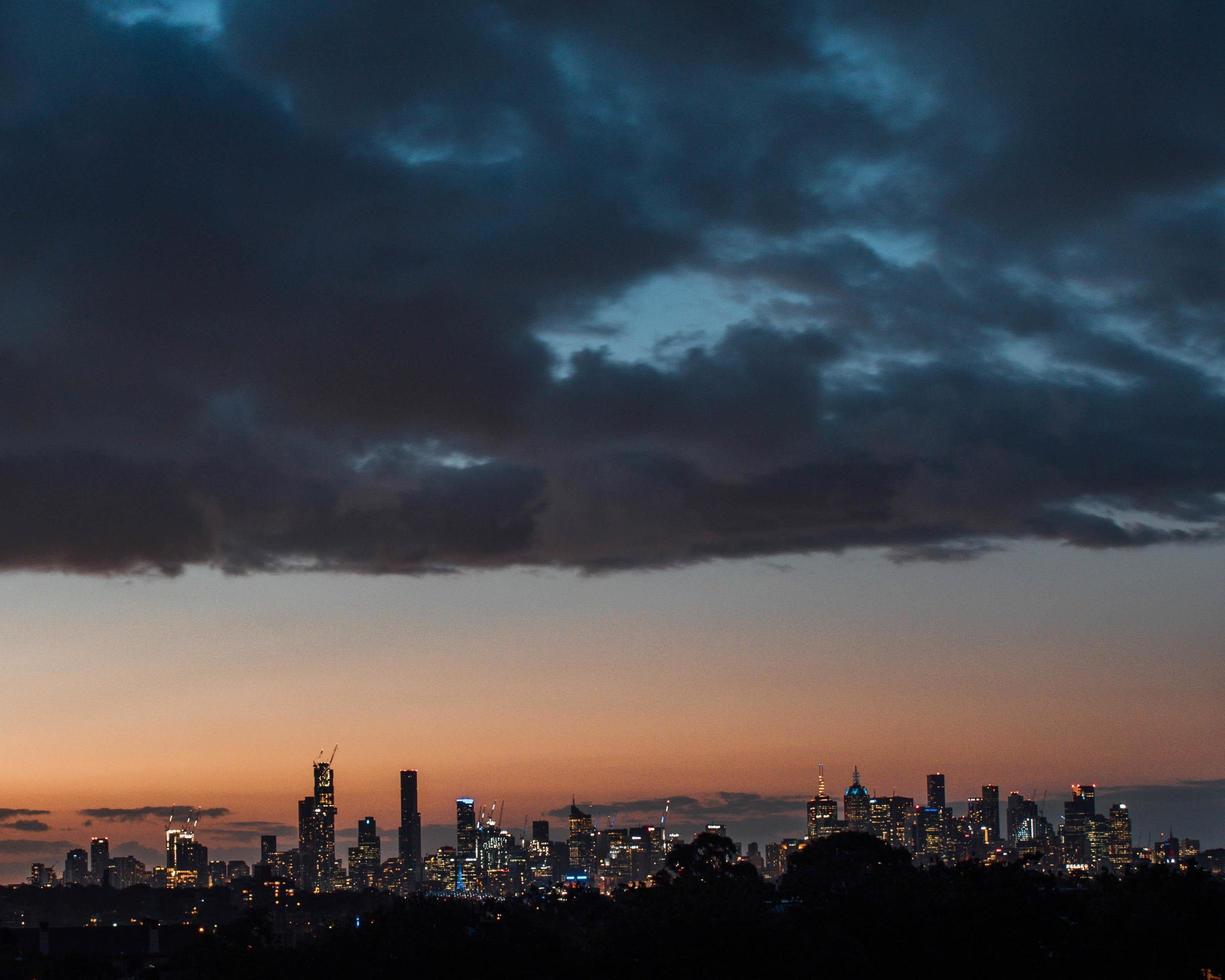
(820, 780)
(855, 777)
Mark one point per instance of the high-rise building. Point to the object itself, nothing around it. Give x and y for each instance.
(126, 871)
(410, 827)
(366, 858)
(76, 867)
(286, 866)
(991, 812)
(1120, 836)
(190, 861)
(465, 830)
(217, 875)
(892, 819)
(855, 806)
(976, 819)
(540, 831)
(822, 810)
(935, 790)
(99, 858)
(440, 871)
(317, 832)
(1078, 814)
(410, 830)
(581, 841)
(1022, 822)
(267, 848)
(236, 869)
(931, 833)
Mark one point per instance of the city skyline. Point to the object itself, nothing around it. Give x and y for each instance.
(609, 403)
(748, 817)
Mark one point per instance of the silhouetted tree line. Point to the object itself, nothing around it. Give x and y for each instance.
(849, 906)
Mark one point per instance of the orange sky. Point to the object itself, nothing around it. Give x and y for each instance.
(1030, 669)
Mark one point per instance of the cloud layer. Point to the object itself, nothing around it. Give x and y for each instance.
(135, 813)
(284, 288)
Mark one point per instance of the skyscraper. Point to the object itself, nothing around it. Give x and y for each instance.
(1120, 836)
(99, 858)
(76, 867)
(822, 810)
(317, 832)
(935, 790)
(581, 840)
(465, 843)
(976, 819)
(856, 806)
(991, 812)
(1078, 814)
(1022, 823)
(893, 819)
(367, 856)
(267, 848)
(410, 827)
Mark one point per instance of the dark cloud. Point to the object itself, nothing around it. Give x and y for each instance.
(747, 816)
(134, 813)
(49, 850)
(280, 293)
(248, 831)
(28, 826)
(7, 813)
(1187, 808)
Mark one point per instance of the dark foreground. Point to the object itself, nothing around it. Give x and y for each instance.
(846, 908)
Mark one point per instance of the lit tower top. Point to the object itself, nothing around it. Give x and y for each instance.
(325, 786)
(855, 805)
(821, 780)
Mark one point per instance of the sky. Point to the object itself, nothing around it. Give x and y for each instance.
(625, 402)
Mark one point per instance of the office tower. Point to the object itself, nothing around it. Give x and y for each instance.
(931, 833)
(935, 790)
(76, 867)
(285, 865)
(366, 857)
(237, 869)
(892, 819)
(216, 874)
(465, 829)
(581, 840)
(539, 854)
(99, 858)
(991, 813)
(822, 810)
(439, 871)
(1120, 836)
(1022, 822)
(976, 819)
(267, 848)
(126, 871)
(855, 806)
(410, 827)
(40, 875)
(1078, 813)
